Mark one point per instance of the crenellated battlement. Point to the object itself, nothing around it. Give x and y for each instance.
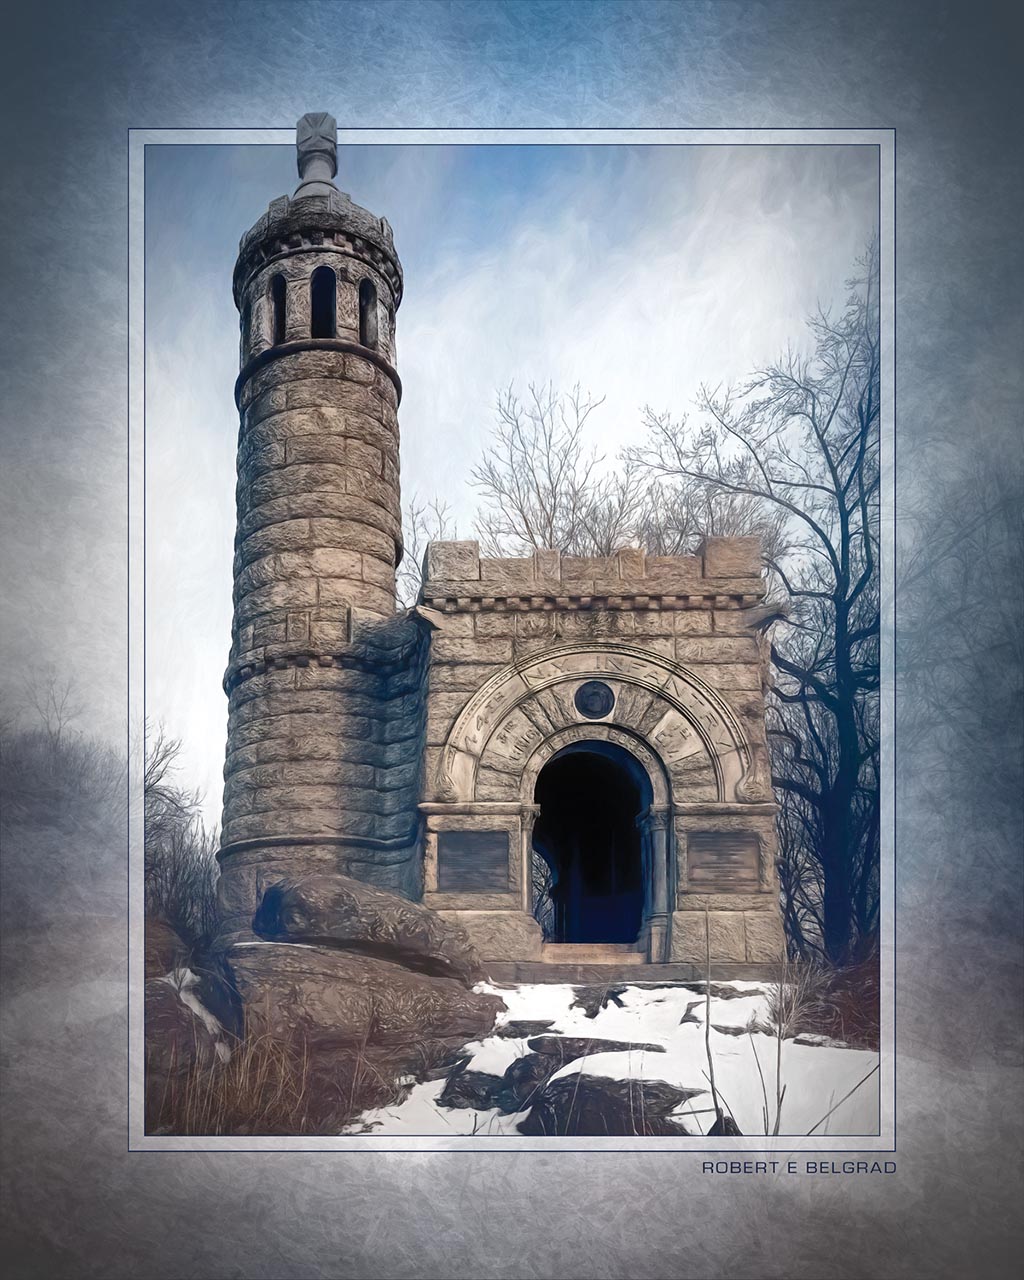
(332, 222)
(725, 572)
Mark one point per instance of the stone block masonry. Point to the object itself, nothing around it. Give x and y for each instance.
(326, 684)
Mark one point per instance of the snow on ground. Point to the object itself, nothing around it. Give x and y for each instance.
(182, 981)
(816, 1076)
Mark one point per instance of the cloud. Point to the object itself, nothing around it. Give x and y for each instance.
(736, 248)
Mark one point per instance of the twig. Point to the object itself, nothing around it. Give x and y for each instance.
(843, 1099)
(707, 1012)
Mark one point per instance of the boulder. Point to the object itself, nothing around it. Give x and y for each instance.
(519, 1029)
(593, 999)
(566, 1048)
(330, 1002)
(476, 1090)
(689, 1015)
(524, 1079)
(182, 1037)
(724, 1127)
(337, 911)
(165, 949)
(595, 1106)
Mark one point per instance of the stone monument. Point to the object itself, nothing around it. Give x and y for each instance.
(566, 756)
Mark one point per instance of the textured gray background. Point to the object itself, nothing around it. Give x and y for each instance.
(76, 78)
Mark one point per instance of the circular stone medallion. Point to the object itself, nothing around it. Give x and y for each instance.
(594, 699)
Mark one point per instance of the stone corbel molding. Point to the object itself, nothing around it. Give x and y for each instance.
(755, 786)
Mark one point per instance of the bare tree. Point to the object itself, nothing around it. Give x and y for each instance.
(180, 854)
(678, 514)
(425, 522)
(55, 702)
(800, 440)
(542, 488)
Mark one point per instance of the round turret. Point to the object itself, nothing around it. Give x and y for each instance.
(317, 284)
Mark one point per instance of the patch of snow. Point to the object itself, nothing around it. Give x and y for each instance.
(531, 1002)
(419, 1113)
(182, 981)
(816, 1072)
(736, 1013)
(495, 1054)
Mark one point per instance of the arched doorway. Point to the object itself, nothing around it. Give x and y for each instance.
(587, 868)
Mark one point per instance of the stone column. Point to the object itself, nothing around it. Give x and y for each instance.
(530, 814)
(658, 826)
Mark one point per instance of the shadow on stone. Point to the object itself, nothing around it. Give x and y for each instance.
(595, 1106)
(335, 911)
(521, 1029)
(566, 1048)
(593, 999)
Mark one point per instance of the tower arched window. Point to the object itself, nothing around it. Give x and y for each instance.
(323, 303)
(277, 303)
(368, 313)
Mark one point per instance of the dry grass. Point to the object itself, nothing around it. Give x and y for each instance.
(820, 1000)
(270, 1088)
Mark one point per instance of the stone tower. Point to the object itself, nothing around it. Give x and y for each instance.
(313, 780)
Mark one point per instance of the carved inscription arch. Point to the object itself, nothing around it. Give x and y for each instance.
(685, 723)
(646, 758)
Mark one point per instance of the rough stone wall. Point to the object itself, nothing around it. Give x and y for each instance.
(324, 767)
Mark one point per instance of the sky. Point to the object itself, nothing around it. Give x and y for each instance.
(638, 272)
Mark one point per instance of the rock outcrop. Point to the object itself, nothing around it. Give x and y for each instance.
(331, 999)
(358, 980)
(581, 1105)
(357, 991)
(340, 912)
(165, 950)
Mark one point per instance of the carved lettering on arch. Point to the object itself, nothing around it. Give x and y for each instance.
(675, 738)
(509, 716)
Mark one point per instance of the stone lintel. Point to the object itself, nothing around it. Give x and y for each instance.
(717, 808)
(474, 807)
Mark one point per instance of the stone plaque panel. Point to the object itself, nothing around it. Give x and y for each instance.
(472, 861)
(723, 861)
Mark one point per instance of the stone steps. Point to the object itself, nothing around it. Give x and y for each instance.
(591, 953)
(522, 971)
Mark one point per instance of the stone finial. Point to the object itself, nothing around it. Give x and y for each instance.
(316, 144)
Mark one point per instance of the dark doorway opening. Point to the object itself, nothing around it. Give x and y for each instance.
(587, 860)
